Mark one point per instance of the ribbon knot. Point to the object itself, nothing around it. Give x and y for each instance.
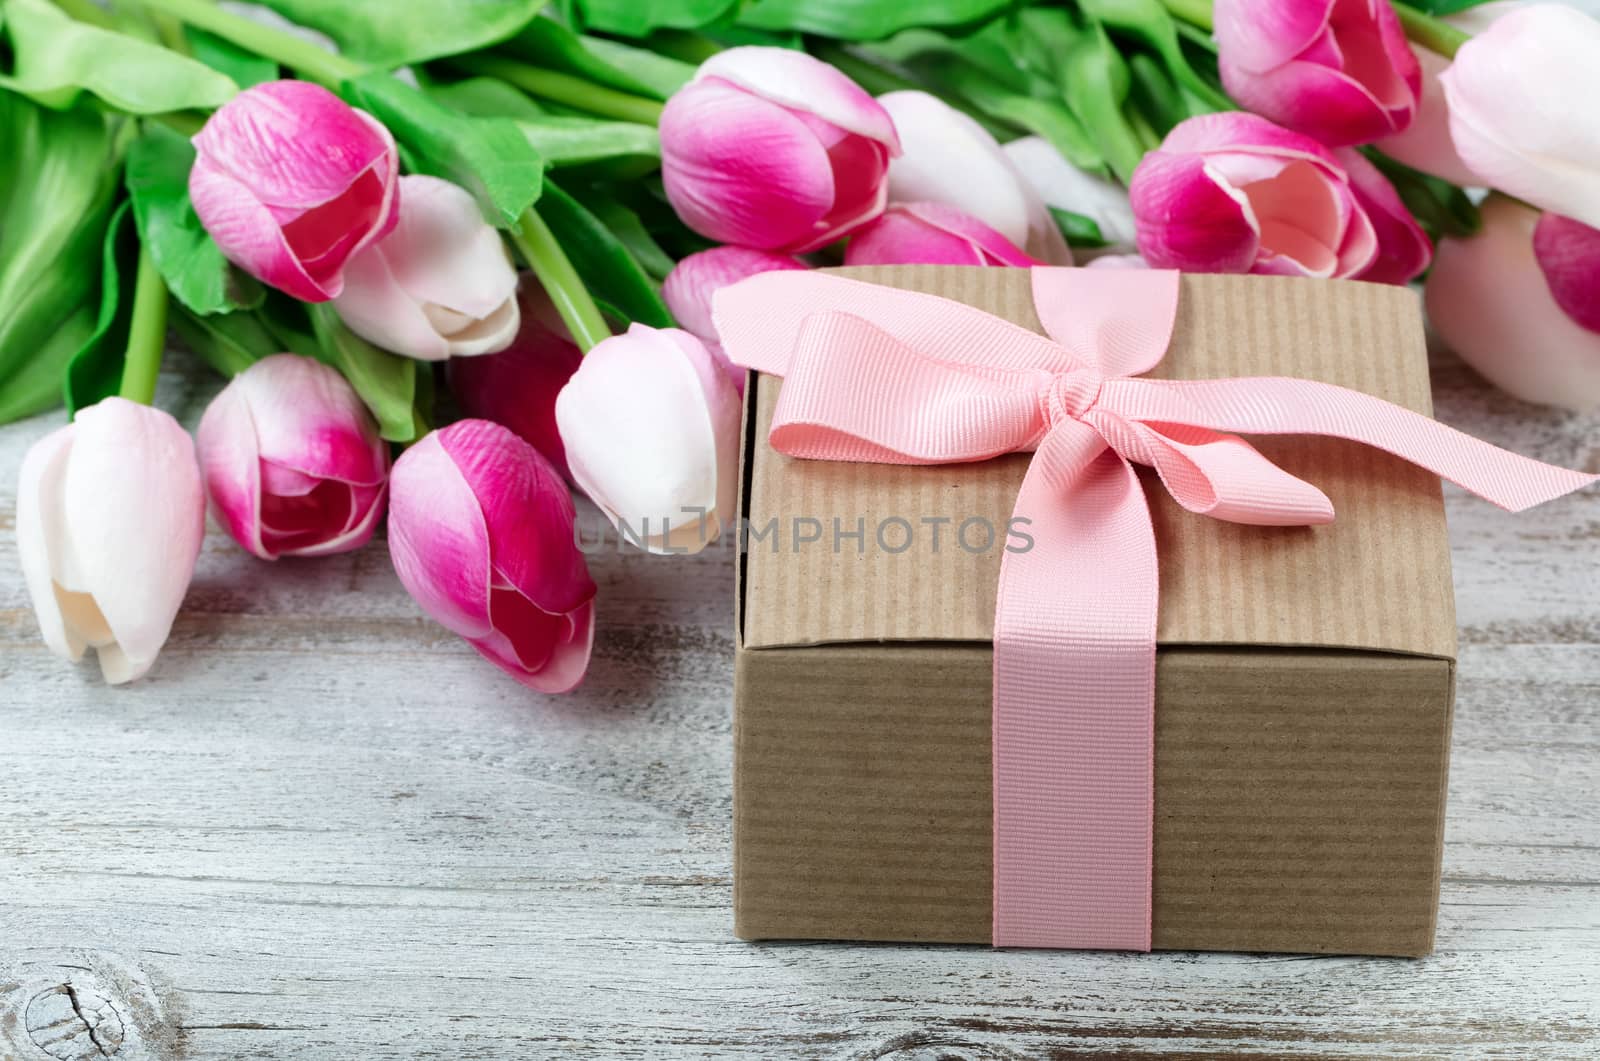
(878, 374)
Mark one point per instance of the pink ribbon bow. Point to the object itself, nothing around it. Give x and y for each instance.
(878, 374)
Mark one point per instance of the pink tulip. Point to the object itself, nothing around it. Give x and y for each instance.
(1497, 299)
(291, 182)
(1233, 193)
(932, 234)
(517, 387)
(770, 148)
(481, 533)
(110, 515)
(1404, 250)
(651, 425)
(440, 285)
(1339, 71)
(292, 460)
(1522, 99)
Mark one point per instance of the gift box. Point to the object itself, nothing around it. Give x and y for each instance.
(1303, 676)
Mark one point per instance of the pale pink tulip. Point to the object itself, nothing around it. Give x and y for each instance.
(651, 426)
(1339, 71)
(517, 387)
(1494, 302)
(1233, 193)
(291, 182)
(949, 158)
(292, 460)
(770, 148)
(1522, 108)
(110, 515)
(1426, 145)
(481, 533)
(440, 285)
(932, 234)
(1404, 250)
(691, 284)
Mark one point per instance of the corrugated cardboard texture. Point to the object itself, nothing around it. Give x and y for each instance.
(1299, 788)
(1377, 578)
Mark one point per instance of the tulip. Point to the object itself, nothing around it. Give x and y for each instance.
(110, 515)
(949, 158)
(691, 284)
(1404, 250)
(1062, 185)
(1339, 71)
(651, 425)
(1426, 144)
(1569, 255)
(1520, 96)
(292, 460)
(481, 531)
(291, 182)
(932, 234)
(517, 387)
(770, 148)
(1494, 302)
(439, 285)
(1233, 193)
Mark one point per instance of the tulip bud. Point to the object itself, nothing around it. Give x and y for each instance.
(110, 516)
(292, 460)
(770, 148)
(1339, 71)
(291, 182)
(949, 158)
(517, 387)
(439, 285)
(931, 234)
(651, 426)
(691, 284)
(481, 531)
(1233, 193)
(1494, 303)
(1519, 117)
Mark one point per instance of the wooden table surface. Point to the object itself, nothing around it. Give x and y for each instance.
(323, 828)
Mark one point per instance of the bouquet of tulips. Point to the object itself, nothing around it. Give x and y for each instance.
(457, 262)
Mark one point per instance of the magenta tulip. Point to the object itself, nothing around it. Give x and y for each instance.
(517, 387)
(1233, 193)
(1404, 250)
(292, 460)
(481, 533)
(291, 182)
(1339, 71)
(1569, 256)
(932, 234)
(770, 148)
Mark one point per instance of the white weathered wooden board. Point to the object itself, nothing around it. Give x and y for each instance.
(322, 828)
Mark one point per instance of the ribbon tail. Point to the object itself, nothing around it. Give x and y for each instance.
(1281, 406)
(1074, 705)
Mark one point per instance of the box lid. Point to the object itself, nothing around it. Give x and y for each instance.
(1376, 579)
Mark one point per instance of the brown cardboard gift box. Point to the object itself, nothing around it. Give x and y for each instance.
(1304, 676)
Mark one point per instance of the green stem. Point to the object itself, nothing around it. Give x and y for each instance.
(147, 332)
(1194, 12)
(303, 57)
(1432, 33)
(560, 280)
(575, 92)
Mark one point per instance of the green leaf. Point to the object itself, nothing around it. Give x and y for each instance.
(1444, 7)
(617, 282)
(387, 383)
(228, 342)
(56, 59)
(486, 97)
(1148, 22)
(638, 18)
(1079, 231)
(490, 157)
(629, 228)
(563, 141)
(95, 370)
(390, 33)
(867, 20)
(59, 173)
(1442, 209)
(244, 67)
(193, 267)
(546, 43)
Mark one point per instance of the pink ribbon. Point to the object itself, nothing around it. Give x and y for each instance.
(882, 375)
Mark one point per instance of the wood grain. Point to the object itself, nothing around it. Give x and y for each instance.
(322, 828)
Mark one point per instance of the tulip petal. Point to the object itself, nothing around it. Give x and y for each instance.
(489, 335)
(134, 511)
(309, 419)
(249, 236)
(1258, 36)
(561, 667)
(800, 82)
(39, 524)
(1326, 104)
(860, 191)
(374, 305)
(230, 463)
(438, 539)
(1425, 144)
(1245, 133)
(689, 287)
(1569, 254)
(932, 234)
(1060, 184)
(442, 251)
(1404, 250)
(1190, 218)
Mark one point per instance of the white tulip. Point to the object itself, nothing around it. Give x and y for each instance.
(949, 158)
(439, 285)
(1064, 186)
(110, 514)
